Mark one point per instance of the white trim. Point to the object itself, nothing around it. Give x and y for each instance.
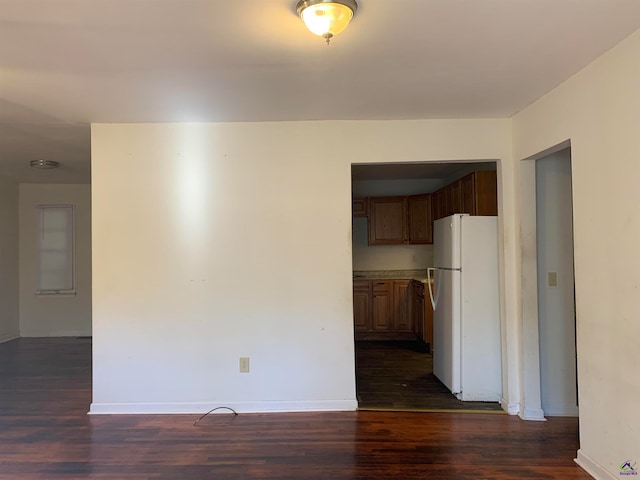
(196, 408)
(510, 408)
(593, 468)
(7, 337)
(57, 334)
(533, 414)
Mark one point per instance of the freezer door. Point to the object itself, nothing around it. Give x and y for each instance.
(446, 329)
(446, 242)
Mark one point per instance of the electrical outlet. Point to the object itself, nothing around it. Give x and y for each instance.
(244, 364)
(553, 279)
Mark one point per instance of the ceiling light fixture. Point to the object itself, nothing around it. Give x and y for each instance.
(326, 18)
(44, 164)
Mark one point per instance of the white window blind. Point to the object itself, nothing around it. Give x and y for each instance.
(55, 249)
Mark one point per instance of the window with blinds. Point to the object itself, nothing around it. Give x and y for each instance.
(55, 249)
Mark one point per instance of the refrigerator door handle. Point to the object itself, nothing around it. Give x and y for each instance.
(430, 280)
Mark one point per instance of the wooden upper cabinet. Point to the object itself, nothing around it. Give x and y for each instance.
(420, 231)
(387, 220)
(359, 207)
(454, 198)
(468, 194)
(480, 193)
(486, 193)
(439, 204)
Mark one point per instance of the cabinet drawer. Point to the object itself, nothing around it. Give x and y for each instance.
(361, 285)
(382, 285)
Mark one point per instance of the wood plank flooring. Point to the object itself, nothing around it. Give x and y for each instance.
(398, 375)
(46, 434)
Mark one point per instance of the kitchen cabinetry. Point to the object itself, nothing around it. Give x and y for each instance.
(475, 194)
(419, 210)
(408, 220)
(361, 305)
(421, 313)
(439, 204)
(359, 207)
(400, 220)
(381, 310)
(382, 306)
(401, 307)
(480, 193)
(387, 220)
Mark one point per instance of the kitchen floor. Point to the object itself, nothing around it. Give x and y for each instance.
(398, 375)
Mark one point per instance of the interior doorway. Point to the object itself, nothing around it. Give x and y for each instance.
(556, 288)
(394, 362)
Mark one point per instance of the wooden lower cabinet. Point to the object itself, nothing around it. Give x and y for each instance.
(381, 310)
(401, 307)
(362, 305)
(421, 313)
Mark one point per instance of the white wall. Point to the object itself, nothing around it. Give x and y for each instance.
(9, 320)
(389, 257)
(59, 315)
(216, 241)
(597, 110)
(556, 312)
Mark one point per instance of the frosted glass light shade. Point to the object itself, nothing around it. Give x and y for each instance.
(326, 18)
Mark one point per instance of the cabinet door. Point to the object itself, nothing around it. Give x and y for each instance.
(362, 310)
(480, 193)
(382, 306)
(454, 198)
(439, 204)
(359, 207)
(388, 220)
(468, 193)
(401, 319)
(418, 310)
(420, 224)
(486, 193)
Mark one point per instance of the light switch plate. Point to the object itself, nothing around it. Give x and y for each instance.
(244, 364)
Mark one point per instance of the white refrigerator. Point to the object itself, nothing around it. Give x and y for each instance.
(465, 296)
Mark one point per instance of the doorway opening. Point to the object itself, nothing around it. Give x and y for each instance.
(548, 290)
(556, 288)
(394, 206)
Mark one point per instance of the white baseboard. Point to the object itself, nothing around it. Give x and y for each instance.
(196, 408)
(5, 337)
(62, 333)
(562, 412)
(593, 468)
(532, 414)
(510, 408)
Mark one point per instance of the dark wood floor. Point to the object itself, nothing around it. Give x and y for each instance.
(46, 434)
(398, 375)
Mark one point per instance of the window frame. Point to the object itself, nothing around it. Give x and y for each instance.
(40, 209)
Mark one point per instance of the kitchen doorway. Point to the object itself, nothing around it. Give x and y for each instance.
(394, 362)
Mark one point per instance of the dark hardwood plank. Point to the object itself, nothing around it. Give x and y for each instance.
(398, 375)
(46, 434)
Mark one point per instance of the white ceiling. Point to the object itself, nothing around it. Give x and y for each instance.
(66, 63)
